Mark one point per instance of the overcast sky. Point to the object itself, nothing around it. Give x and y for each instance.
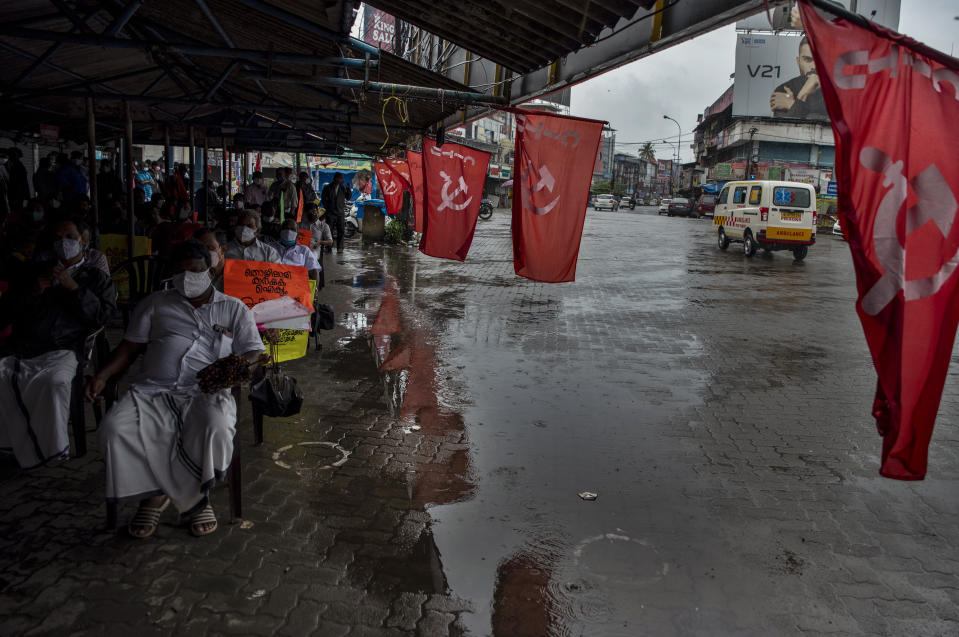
(683, 80)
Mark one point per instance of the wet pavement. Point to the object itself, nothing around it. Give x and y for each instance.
(718, 406)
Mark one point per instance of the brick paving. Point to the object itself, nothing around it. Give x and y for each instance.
(718, 406)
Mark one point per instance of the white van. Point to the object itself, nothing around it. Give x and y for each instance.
(772, 215)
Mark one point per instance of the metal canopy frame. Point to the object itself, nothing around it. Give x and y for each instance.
(123, 52)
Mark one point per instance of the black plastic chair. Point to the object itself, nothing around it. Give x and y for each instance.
(145, 275)
(95, 348)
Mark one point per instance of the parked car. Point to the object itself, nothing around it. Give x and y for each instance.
(837, 229)
(663, 206)
(706, 206)
(680, 206)
(627, 201)
(772, 215)
(604, 202)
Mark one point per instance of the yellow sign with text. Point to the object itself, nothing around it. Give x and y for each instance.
(115, 246)
(789, 234)
(292, 344)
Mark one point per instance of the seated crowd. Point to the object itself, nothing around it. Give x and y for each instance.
(164, 441)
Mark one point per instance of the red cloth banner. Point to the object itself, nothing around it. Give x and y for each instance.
(391, 186)
(415, 161)
(454, 176)
(402, 169)
(894, 105)
(552, 169)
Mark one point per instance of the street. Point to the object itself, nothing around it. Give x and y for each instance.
(718, 407)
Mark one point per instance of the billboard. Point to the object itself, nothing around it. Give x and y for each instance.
(786, 17)
(379, 28)
(776, 77)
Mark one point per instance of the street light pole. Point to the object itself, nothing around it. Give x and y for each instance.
(678, 139)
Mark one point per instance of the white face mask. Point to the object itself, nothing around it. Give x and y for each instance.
(245, 234)
(288, 237)
(191, 285)
(66, 249)
(214, 258)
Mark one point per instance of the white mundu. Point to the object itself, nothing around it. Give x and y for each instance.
(164, 435)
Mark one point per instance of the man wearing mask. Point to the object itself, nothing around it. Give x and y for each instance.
(166, 441)
(144, 179)
(293, 253)
(255, 193)
(245, 245)
(270, 224)
(304, 187)
(320, 236)
(335, 199)
(50, 312)
(283, 194)
(215, 241)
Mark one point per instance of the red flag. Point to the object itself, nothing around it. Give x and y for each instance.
(894, 104)
(391, 186)
(454, 176)
(415, 160)
(402, 169)
(552, 168)
(259, 156)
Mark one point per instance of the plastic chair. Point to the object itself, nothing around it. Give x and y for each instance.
(145, 275)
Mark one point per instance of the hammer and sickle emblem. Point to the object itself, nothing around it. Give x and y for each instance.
(937, 204)
(547, 182)
(390, 188)
(449, 197)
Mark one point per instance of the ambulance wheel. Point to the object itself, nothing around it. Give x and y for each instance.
(800, 253)
(749, 244)
(723, 239)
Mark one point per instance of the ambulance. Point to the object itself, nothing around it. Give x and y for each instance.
(772, 215)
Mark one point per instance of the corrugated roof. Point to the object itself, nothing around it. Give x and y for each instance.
(521, 35)
(46, 82)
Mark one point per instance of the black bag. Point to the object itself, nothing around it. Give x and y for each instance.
(325, 318)
(276, 395)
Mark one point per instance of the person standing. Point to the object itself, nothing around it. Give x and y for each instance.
(320, 235)
(335, 199)
(45, 182)
(109, 188)
(73, 182)
(283, 194)
(144, 180)
(19, 187)
(304, 187)
(255, 194)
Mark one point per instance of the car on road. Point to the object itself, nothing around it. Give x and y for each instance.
(706, 207)
(627, 201)
(604, 202)
(663, 206)
(772, 215)
(680, 207)
(837, 229)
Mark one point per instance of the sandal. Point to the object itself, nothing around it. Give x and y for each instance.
(147, 519)
(203, 516)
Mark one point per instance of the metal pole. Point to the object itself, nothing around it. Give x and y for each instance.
(168, 149)
(191, 184)
(226, 175)
(131, 182)
(94, 191)
(204, 182)
(297, 165)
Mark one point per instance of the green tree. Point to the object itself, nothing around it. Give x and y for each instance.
(647, 153)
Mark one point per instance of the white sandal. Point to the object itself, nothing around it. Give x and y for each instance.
(148, 519)
(203, 516)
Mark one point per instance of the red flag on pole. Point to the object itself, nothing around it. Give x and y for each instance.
(259, 156)
(894, 105)
(552, 169)
(391, 186)
(415, 160)
(454, 176)
(402, 169)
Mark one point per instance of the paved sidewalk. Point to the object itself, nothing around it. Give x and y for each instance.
(719, 407)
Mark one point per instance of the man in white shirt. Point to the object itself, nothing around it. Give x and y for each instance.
(255, 193)
(320, 238)
(247, 246)
(165, 440)
(293, 253)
